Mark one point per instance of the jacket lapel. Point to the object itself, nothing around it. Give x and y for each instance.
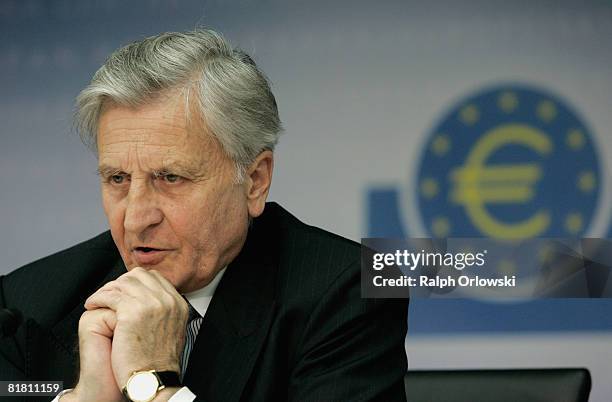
(235, 326)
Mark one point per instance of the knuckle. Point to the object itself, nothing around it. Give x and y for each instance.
(108, 286)
(184, 313)
(86, 320)
(122, 278)
(122, 281)
(158, 306)
(84, 317)
(125, 280)
(125, 316)
(154, 274)
(153, 307)
(183, 306)
(139, 309)
(134, 272)
(168, 300)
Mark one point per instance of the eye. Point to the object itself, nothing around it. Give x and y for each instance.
(171, 178)
(117, 179)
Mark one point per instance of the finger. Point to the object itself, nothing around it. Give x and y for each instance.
(156, 281)
(112, 285)
(104, 298)
(127, 286)
(101, 321)
(138, 286)
(146, 278)
(146, 287)
(171, 290)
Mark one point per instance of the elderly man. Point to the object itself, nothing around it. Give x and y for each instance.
(201, 290)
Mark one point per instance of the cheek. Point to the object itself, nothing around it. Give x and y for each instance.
(107, 202)
(199, 227)
(231, 219)
(114, 215)
(209, 222)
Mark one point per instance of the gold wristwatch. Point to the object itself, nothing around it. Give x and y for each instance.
(143, 386)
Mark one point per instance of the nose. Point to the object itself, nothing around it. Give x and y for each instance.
(142, 212)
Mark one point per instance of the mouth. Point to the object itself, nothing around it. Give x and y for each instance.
(149, 255)
(146, 249)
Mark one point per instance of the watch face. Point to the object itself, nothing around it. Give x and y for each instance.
(142, 387)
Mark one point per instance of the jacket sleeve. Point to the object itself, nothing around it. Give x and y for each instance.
(352, 348)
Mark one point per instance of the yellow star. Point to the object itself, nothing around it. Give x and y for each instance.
(467, 250)
(429, 187)
(586, 181)
(546, 111)
(507, 101)
(545, 253)
(440, 226)
(469, 114)
(441, 145)
(506, 267)
(573, 222)
(574, 139)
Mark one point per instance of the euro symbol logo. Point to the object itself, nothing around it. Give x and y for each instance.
(476, 184)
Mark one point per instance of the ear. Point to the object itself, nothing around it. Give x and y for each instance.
(258, 181)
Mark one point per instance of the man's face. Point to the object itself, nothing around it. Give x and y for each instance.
(168, 192)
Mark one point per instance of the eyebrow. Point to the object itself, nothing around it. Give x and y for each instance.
(168, 167)
(106, 170)
(181, 169)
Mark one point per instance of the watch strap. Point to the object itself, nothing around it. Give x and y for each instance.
(168, 378)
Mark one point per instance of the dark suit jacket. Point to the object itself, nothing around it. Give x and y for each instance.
(287, 322)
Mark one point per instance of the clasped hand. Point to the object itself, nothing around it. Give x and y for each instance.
(136, 322)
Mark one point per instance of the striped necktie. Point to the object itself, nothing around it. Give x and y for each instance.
(193, 326)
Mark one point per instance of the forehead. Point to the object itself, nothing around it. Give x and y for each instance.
(153, 132)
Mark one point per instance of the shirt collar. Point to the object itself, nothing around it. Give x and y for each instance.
(200, 299)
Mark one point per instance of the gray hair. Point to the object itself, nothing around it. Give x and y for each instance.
(232, 94)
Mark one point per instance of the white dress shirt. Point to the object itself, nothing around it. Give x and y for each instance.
(200, 300)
